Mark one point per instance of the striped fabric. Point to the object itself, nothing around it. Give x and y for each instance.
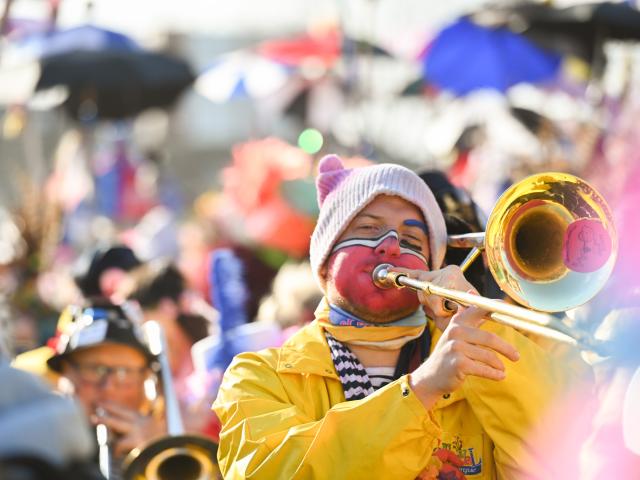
(358, 382)
(380, 376)
(353, 376)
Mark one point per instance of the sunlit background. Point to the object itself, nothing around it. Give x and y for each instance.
(180, 127)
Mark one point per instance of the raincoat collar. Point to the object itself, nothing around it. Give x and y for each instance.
(307, 352)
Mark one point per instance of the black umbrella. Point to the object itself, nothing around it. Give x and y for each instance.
(115, 84)
(578, 30)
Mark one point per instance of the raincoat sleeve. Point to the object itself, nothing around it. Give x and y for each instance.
(531, 407)
(267, 435)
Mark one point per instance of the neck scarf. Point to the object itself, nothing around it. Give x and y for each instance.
(355, 381)
(353, 376)
(347, 328)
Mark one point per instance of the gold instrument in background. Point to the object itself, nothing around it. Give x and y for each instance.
(177, 456)
(551, 246)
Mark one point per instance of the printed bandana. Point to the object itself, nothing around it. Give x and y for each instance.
(388, 336)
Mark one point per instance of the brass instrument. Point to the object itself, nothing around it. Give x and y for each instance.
(177, 456)
(104, 452)
(550, 244)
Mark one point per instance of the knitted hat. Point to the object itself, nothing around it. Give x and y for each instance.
(342, 193)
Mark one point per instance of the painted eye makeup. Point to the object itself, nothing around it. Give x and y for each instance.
(411, 245)
(417, 223)
(405, 245)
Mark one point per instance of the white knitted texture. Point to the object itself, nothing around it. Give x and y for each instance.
(360, 188)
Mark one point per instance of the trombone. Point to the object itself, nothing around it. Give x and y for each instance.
(176, 456)
(551, 245)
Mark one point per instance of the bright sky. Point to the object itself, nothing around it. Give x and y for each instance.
(257, 17)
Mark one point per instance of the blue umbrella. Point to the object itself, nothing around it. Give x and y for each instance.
(21, 58)
(84, 37)
(465, 57)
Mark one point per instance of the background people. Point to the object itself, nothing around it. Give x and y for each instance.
(44, 436)
(160, 291)
(104, 363)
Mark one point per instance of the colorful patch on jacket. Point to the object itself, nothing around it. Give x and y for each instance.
(456, 458)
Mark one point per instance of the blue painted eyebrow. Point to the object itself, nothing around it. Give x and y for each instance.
(417, 223)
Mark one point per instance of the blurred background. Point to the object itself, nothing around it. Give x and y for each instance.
(178, 128)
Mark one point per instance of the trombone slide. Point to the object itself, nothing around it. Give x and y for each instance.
(518, 317)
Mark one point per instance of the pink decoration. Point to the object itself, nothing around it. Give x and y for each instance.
(331, 173)
(587, 245)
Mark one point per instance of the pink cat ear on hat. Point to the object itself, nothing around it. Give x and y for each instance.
(331, 173)
(329, 163)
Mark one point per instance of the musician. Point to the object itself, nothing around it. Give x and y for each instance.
(386, 383)
(104, 362)
(160, 290)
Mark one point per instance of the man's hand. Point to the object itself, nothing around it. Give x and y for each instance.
(132, 429)
(450, 277)
(463, 349)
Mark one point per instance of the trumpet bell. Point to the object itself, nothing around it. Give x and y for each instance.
(181, 457)
(551, 242)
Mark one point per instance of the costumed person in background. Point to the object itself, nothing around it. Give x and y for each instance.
(290, 306)
(461, 216)
(104, 363)
(160, 291)
(98, 274)
(374, 386)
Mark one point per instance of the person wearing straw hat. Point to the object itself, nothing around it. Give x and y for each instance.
(386, 383)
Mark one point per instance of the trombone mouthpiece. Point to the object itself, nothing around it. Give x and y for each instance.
(380, 276)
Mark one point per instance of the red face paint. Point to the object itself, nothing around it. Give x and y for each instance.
(349, 274)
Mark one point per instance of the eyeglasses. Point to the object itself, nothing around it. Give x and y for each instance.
(97, 374)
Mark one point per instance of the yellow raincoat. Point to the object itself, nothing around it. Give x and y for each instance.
(284, 416)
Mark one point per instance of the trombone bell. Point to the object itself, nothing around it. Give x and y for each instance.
(177, 456)
(550, 242)
(183, 457)
(531, 258)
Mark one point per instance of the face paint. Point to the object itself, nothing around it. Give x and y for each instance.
(351, 287)
(375, 242)
(417, 223)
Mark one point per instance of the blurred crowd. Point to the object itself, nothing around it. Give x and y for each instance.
(105, 243)
(233, 276)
